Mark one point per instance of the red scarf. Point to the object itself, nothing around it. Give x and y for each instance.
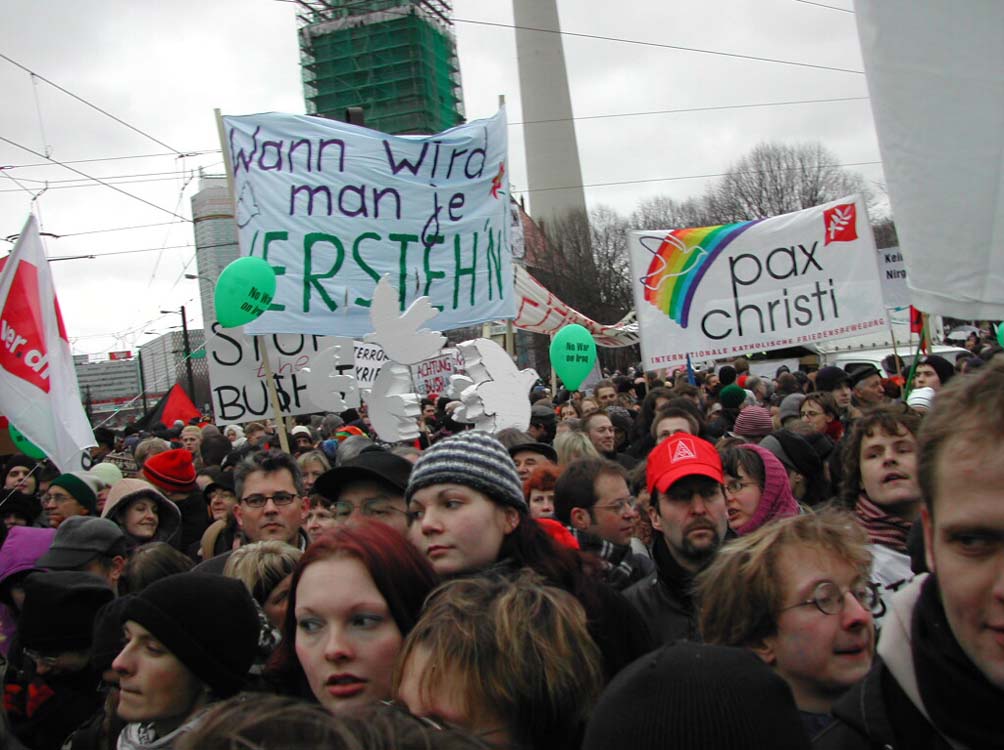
(883, 528)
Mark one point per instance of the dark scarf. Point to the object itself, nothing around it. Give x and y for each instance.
(962, 703)
(883, 528)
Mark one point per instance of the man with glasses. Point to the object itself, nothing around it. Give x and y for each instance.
(938, 679)
(796, 593)
(271, 504)
(690, 521)
(592, 498)
(369, 486)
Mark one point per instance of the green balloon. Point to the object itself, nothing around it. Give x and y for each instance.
(23, 444)
(244, 291)
(573, 354)
(1000, 333)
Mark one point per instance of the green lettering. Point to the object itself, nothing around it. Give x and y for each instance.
(271, 237)
(362, 301)
(464, 271)
(312, 279)
(405, 240)
(431, 275)
(494, 252)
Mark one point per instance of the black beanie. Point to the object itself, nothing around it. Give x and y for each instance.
(941, 366)
(107, 634)
(689, 696)
(208, 622)
(59, 610)
(726, 375)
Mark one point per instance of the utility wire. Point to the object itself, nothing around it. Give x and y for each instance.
(80, 185)
(689, 177)
(91, 256)
(821, 5)
(693, 109)
(114, 158)
(89, 104)
(95, 179)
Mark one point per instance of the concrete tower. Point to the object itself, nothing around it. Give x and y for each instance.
(552, 153)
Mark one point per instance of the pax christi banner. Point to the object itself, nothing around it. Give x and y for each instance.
(725, 290)
(334, 207)
(38, 385)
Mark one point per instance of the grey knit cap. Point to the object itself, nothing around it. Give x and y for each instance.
(474, 459)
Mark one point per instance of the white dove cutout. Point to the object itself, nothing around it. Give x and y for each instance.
(393, 407)
(654, 246)
(494, 393)
(401, 335)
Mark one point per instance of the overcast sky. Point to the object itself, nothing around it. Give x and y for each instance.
(163, 66)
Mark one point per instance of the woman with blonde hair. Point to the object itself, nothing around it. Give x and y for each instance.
(265, 569)
(572, 445)
(509, 659)
(312, 464)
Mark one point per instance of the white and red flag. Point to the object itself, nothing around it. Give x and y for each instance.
(38, 385)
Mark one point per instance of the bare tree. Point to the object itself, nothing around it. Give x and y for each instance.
(775, 179)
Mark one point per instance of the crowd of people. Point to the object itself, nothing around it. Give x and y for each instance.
(706, 560)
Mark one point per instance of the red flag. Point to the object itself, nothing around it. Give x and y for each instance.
(916, 320)
(38, 384)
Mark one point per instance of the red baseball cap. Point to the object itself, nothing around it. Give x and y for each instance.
(678, 456)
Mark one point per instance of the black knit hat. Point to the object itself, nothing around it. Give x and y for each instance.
(208, 622)
(941, 366)
(726, 375)
(688, 696)
(59, 610)
(829, 378)
(474, 459)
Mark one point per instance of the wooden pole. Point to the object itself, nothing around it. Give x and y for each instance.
(273, 395)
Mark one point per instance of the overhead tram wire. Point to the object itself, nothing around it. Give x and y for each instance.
(688, 177)
(693, 109)
(95, 179)
(639, 42)
(114, 158)
(93, 256)
(823, 5)
(93, 106)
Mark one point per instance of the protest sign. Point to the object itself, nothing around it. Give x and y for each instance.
(892, 274)
(433, 375)
(309, 373)
(333, 207)
(755, 285)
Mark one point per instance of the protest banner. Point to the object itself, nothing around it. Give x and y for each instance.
(935, 74)
(540, 311)
(309, 373)
(334, 207)
(38, 383)
(756, 285)
(433, 375)
(892, 275)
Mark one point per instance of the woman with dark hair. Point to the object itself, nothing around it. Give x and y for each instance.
(757, 490)
(340, 643)
(469, 515)
(641, 438)
(820, 412)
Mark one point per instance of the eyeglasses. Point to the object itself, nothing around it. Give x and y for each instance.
(47, 498)
(619, 506)
(42, 661)
(736, 486)
(376, 507)
(829, 599)
(279, 498)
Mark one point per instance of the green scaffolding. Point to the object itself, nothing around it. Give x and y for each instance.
(400, 68)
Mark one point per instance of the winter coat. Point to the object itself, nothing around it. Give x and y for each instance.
(884, 711)
(663, 599)
(127, 490)
(22, 548)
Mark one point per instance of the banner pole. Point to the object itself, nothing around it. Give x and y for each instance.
(892, 335)
(273, 395)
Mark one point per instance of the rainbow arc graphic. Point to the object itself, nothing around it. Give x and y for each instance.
(679, 261)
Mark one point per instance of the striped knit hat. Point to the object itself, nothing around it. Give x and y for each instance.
(473, 459)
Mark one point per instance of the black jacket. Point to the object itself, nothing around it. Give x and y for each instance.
(664, 598)
(877, 715)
